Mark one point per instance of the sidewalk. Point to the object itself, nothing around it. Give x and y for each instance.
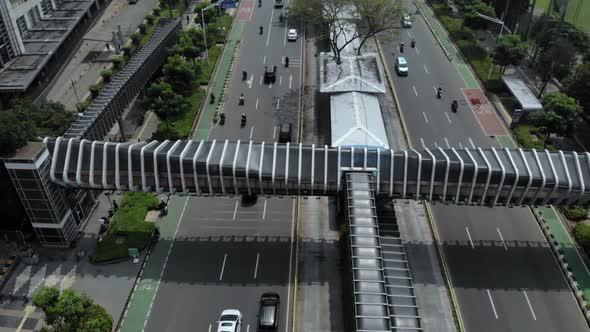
(83, 68)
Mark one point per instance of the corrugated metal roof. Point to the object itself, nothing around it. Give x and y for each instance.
(356, 120)
(522, 93)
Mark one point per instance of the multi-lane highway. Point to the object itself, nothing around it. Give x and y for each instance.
(502, 270)
(227, 252)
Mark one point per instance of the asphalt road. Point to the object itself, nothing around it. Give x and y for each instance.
(503, 272)
(227, 253)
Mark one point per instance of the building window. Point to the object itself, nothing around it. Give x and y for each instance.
(22, 25)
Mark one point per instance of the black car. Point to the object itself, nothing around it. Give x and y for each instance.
(270, 76)
(268, 315)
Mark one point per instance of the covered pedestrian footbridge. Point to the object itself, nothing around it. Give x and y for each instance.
(462, 176)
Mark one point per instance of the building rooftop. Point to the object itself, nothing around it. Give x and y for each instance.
(27, 152)
(356, 120)
(40, 42)
(522, 93)
(355, 73)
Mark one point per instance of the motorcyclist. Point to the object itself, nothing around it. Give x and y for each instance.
(244, 75)
(413, 44)
(261, 29)
(281, 17)
(286, 61)
(242, 99)
(243, 118)
(259, 3)
(439, 92)
(455, 105)
(401, 47)
(222, 117)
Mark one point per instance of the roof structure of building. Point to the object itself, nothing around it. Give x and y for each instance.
(356, 120)
(522, 93)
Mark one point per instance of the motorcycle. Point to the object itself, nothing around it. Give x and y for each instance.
(242, 101)
(244, 75)
(222, 118)
(243, 123)
(439, 93)
(455, 106)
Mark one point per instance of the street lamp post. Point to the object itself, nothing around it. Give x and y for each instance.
(495, 20)
(75, 94)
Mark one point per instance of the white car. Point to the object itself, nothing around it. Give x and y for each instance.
(292, 35)
(230, 321)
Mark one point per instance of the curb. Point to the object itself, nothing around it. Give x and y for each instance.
(563, 264)
(446, 274)
(395, 98)
(434, 33)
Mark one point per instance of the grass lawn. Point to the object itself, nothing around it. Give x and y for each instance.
(129, 224)
(524, 136)
(207, 68)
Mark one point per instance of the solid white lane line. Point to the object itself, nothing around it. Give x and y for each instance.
(469, 236)
(530, 306)
(281, 80)
(269, 27)
(471, 142)
(426, 70)
(492, 302)
(256, 267)
(502, 238)
(222, 266)
(290, 265)
(251, 132)
(274, 132)
(256, 103)
(447, 142)
(264, 61)
(278, 103)
(250, 81)
(425, 118)
(264, 209)
(448, 118)
(235, 210)
(415, 91)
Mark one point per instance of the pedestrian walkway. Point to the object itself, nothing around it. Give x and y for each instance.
(570, 251)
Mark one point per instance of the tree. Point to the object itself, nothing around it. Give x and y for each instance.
(71, 312)
(15, 132)
(164, 101)
(559, 116)
(510, 51)
(192, 44)
(375, 17)
(556, 61)
(53, 119)
(179, 74)
(547, 30)
(476, 22)
(577, 86)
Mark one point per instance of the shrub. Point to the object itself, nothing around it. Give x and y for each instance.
(127, 48)
(156, 11)
(83, 105)
(582, 233)
(143, 28)
(495, 86)
(150, 19)
(574, 212)
(135, 38)
(106, 74)
(524, 137)
(117, 62)
(95, 89)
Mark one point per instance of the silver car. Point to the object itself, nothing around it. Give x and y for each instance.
(406, 21)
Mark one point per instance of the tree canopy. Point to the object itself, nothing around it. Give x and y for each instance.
(556, 61)
(510, 51)
(179, 74)
(71, 312)
(559, 116)
(192, 44)
(24, 120)
(577, 86)
(476, 22)
(162, 98)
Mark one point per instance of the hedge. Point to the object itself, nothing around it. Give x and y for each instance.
(582, 234)
(574, 212)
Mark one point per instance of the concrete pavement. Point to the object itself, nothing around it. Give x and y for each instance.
(490, 280)
(92, 56)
